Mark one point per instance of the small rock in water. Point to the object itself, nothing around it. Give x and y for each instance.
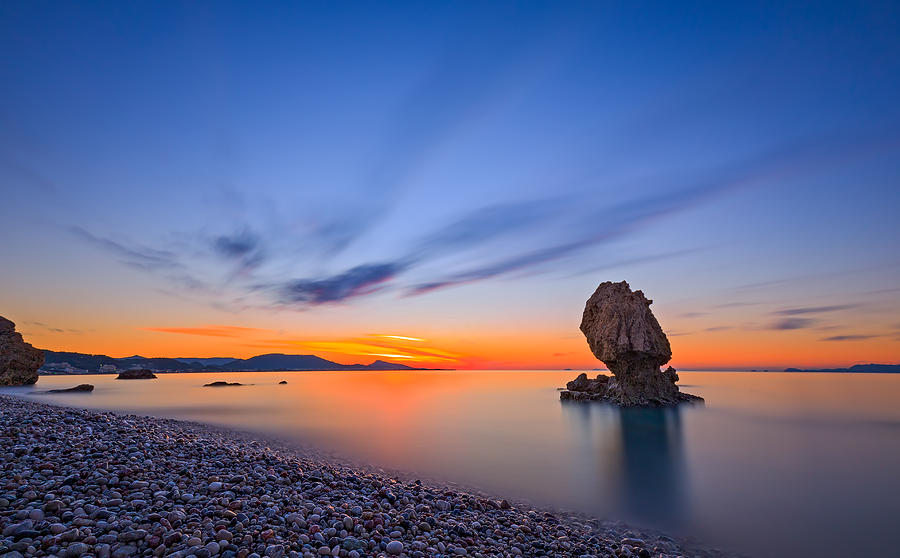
(136, 374)
(78, 388)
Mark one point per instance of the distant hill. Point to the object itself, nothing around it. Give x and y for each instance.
(214, 361)
(277, 361)
(866, 368)
(57, 362)
(80, 360)
(384, 365)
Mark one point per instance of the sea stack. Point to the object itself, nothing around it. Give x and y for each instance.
(623, 333)
(19, 361)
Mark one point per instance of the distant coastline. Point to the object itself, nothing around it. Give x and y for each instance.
(858, 368)
(58, 363)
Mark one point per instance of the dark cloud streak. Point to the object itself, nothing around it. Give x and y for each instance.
(814, 309)
(355, 282)
(849, 337)
(792, 323)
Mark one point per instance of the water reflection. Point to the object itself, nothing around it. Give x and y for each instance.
(639, 452)
(771, 456)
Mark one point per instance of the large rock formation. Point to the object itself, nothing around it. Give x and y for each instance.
(623, 333)
(19, 361)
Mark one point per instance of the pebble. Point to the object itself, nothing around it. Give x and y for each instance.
(90, 483)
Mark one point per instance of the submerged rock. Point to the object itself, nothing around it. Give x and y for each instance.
(79, 387)
(623, 333)
(19, 361)
(282, 382)
(136, 374)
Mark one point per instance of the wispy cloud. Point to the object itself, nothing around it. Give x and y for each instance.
(355, 282)
(243, 247)
(792, 323)
(165, 263)
(211, 330)
(849, 337)
(52, 329)
(800, 317)
(397, 347)
(814, 309)
(461, 84)
(509, 238)
(141, 257)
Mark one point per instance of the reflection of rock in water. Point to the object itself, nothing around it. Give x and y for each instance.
(629, 462)
(653, 465)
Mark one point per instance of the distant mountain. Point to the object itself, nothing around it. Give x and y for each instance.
(213, 361)
(384, 365)
(80, 360)
(68, 363)
(277, 361)
(866, 368)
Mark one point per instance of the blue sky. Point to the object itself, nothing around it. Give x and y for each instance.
(294, 163)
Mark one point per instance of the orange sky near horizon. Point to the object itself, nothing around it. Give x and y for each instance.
(734, 348)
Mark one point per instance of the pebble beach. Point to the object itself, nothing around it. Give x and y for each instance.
(86, 483)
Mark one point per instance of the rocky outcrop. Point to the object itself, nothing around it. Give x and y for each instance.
(623, 333)
(19, 361)
(79, 387)
(222, 384)
(136, 374)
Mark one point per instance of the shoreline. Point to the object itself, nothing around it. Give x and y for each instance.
(80, 482)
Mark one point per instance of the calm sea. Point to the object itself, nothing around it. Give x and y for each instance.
(774, 464)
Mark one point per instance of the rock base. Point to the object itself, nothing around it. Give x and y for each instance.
(661, 392)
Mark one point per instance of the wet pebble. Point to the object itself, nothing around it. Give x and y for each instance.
(87, 483)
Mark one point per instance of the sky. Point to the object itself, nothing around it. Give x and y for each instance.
(445, 184)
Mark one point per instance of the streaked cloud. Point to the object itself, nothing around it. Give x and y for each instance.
(792, 323)
(52, 329)
(849, 337)
(275, 266)
(211, 330)
(358, 281)
(403, 347)
(814, 309)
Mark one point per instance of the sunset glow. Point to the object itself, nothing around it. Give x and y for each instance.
(448, 193)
